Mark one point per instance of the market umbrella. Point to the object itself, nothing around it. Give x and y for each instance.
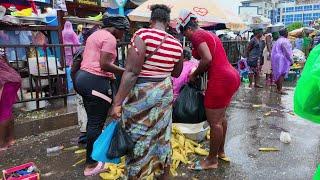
(300, 31)
(209, 12)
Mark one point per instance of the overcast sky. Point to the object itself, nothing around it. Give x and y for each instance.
(233, 4)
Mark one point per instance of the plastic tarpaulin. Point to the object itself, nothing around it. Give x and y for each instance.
(307, 92)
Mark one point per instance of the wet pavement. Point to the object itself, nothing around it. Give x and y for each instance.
(256, 119)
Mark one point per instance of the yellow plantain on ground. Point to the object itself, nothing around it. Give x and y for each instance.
(182, 148)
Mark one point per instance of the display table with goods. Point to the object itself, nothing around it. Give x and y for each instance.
(35, 51)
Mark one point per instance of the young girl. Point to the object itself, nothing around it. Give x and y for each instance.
(10, 82)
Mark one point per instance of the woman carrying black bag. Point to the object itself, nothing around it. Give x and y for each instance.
(146, 85)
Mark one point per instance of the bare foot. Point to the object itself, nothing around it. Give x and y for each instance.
(11, 142)
(3, 148)
(92, 170)
(205, 164)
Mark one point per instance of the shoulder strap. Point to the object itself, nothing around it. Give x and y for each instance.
(156, 50)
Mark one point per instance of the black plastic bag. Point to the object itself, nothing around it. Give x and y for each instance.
(121, 143)
(189, 106)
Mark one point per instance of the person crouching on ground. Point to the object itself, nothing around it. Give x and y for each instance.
(189, 66)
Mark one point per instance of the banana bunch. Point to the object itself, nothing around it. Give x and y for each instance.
(96, 18)
(182, 148)
(24, 12)
(114, 171)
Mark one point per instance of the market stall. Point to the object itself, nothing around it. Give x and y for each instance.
(30, 36)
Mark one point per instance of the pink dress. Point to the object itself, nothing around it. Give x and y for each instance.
(69, 38)
(183, 78)
(10, 82)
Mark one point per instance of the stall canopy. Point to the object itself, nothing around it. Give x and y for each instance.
(19, 4)
(209, 12)
(299, 32)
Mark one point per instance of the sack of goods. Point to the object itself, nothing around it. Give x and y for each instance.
(189, 106)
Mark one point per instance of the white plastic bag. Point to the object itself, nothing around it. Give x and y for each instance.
(285, 137)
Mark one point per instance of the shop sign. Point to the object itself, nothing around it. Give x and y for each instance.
(89, 2)
(43, 1)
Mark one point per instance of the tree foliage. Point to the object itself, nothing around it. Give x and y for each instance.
(294, 26)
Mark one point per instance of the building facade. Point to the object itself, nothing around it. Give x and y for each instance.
(289, 11)
(256, 7)
(285, 11)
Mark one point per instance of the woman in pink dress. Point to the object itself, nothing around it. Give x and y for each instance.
(69, 38)
(10, 82)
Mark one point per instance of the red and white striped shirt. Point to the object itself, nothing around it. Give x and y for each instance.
(161, 64)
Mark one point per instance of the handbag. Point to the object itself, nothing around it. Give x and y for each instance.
(121, 143)
(189, 106)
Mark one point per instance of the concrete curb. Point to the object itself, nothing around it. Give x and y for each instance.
(47, 124)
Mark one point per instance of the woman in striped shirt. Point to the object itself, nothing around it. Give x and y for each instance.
(146, 85)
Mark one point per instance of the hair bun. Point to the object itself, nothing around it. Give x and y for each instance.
(160, 6)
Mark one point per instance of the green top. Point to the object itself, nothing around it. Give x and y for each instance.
(307, 41)
(317, 174)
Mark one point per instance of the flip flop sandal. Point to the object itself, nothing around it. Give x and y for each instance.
(82, 139)
(224, 158)
(97, 170)
(197, 167)
(3, 149)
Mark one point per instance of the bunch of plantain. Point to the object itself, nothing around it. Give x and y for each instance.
(114, 171)
(96, 18)
(182, 148)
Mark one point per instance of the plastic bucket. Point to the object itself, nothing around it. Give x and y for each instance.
(52, 20)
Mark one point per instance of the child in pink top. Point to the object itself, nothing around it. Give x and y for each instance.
(188, 67)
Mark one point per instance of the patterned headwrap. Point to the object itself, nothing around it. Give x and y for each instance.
(116, 21)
